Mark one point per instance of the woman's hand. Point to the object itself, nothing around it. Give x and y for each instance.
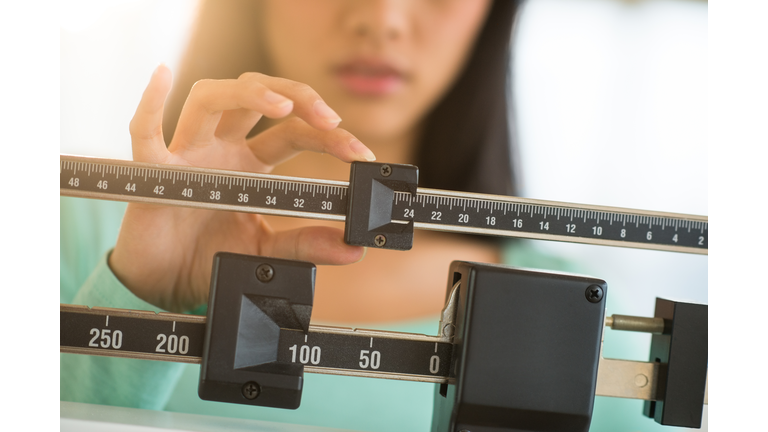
(164, 254)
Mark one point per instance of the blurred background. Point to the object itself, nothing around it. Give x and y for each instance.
(611, 109)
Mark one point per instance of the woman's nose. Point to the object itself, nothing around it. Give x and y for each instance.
(377, 19)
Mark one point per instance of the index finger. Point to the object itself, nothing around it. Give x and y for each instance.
(208, 99)
(308, 105)
(202, 114)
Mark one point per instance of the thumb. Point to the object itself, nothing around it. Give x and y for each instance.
(319, 245)
(146, 127)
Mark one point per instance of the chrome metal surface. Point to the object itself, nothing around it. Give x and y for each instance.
(374, 333)
(130, 354)
(129, 313)
(706, 390)
(433, 199)
(373, 374)
(447, 328)
(635, 323)
(554, 237)
(627, 379)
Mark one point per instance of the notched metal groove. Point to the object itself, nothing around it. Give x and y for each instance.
(131, 313)
(131, 355)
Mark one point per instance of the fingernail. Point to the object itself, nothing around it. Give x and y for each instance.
(276, 99)
(157, 69)
(324, 111)
(362, 150)
(365, 251)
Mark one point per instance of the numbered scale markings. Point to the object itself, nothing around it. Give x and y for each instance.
(329, 350)
(430, 209)
(415, 357)
(126, 333)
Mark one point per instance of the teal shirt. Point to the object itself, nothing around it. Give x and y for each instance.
(88, 232)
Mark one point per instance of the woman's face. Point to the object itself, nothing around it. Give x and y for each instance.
(380, 64)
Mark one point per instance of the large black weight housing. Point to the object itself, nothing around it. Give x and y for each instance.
(682, 350)
(372, 189)
(526, 351)
(251, 298)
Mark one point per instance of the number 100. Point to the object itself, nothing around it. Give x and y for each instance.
(306, 354)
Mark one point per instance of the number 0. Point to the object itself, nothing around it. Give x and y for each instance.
(434, 364)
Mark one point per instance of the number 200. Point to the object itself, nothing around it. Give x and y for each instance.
(174, 343)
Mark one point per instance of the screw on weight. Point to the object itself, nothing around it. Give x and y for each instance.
(380, 240)
(594, 293)
(265, 272)
(385, 170)
(251, 390)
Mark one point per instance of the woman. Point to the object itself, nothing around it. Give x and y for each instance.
(387, 68)
(422, 82)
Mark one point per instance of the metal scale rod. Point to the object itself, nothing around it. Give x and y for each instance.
(329, 350)
(429, 209)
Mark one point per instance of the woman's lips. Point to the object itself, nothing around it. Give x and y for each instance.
(370, 78)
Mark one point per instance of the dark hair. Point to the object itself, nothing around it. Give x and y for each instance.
(466, 144)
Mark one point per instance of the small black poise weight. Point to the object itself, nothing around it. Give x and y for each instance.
(372, 188)
(251, 299)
